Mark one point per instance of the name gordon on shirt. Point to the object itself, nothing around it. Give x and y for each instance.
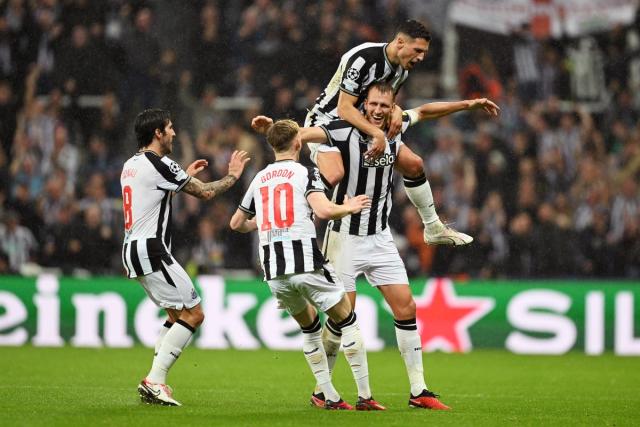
(276, 174)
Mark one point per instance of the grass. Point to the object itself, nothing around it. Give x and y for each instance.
(78, 387)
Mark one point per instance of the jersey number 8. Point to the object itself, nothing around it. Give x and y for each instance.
(126, 207)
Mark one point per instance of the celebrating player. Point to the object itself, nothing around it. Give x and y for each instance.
(362, 243)
(283, 198)
(149, 179)
(343, 97)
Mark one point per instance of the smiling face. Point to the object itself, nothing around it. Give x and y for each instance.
(378, 107)
(411, 51)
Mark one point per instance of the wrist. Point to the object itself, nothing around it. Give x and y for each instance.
(234, 177)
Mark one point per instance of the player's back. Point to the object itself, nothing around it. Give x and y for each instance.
(148, 182)
(278, 198)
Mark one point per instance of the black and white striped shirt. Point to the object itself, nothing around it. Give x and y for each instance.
(360, 67)
(371, 177)
(277, 197)
(148, 183)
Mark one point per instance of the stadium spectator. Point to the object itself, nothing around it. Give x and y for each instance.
(16, 241)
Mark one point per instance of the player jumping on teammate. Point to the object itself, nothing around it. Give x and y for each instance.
(343, 98)
(362, 243)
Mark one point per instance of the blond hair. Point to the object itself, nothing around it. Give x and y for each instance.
(281, 134)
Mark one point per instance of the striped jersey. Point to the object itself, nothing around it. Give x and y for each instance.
(277, 197)
(371, 177)
(360, 67)
(148, 182)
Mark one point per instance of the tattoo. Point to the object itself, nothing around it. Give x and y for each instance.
(208, 190)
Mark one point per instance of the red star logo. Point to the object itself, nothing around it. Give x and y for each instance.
(444, 318)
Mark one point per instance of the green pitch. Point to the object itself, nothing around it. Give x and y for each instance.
(80, 387)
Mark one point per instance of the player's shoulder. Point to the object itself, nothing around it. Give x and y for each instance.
(369, 51)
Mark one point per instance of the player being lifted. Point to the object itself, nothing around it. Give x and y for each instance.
(149, 180)
(283, 197)
(343, 97)
(362, 243)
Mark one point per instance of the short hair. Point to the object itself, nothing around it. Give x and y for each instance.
(383, 87)
(281, 134)
(146, 124)
(414, 29)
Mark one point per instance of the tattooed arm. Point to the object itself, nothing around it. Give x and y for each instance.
(209, 190)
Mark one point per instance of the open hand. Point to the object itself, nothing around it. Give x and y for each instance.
(197, 167)
(483, 103)
(356, 204)
(237, 163)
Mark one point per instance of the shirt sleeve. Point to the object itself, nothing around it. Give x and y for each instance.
(406, 121)
(171, 176)
(314, 182)
(337, 132)
(248, 203)
(354, 75)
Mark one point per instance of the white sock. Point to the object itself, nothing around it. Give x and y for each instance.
(174, 341)
(410, 347)
(317, 359)
(356, 354)
(331, 337)
(163, 332)
(419, 193)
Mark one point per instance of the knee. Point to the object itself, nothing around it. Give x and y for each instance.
(331, 167)
(333, 175)
(194, 316)
(406, 310)
(413, 166)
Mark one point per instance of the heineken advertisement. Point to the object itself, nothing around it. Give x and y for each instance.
(529, 317)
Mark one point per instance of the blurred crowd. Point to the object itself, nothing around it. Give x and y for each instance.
(549, 189)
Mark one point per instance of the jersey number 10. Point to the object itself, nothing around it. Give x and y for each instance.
(281, 190)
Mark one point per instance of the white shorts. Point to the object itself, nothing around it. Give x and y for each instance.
(315, 147)
(171, 287)
(375, 256)
(321, 288)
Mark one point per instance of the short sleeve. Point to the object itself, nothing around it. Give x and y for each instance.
(171, 176)
(314, 181)
(248, 203)
(406, 122)
(354, 75)
(337, 132)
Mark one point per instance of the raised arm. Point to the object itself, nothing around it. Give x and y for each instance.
(209, 190)
(433, 110)
(326, 209)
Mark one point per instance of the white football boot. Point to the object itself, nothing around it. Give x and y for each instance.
(159, 394)
(436, 233)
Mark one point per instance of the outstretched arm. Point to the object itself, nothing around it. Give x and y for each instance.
(433, 110)
(240, 222)
(209, 190)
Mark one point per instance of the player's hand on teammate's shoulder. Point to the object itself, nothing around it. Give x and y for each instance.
(261, 124)
(485, 104)
(197, 167)
(357, 203)
(237, 163)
